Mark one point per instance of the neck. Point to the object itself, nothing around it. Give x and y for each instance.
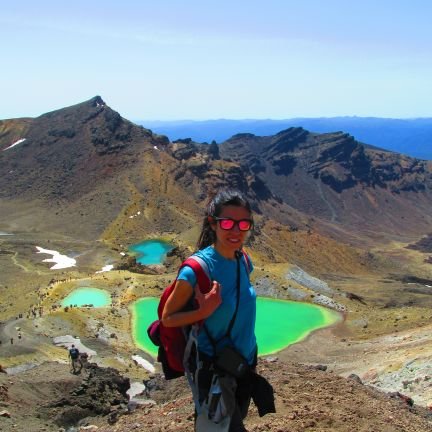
(226, 253)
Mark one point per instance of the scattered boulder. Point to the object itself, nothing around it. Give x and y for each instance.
(406, 399)
(355, 378)
(320, 367)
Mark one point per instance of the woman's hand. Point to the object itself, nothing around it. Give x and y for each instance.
(209, 302)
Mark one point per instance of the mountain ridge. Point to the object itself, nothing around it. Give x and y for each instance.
(69, 153)
(408, 136)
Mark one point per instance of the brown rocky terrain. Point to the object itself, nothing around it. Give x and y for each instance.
(334, 177)
(308, 398)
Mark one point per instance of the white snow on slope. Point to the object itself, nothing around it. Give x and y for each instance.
(106, 268)
(15, 143)
(61, 261)
(144, 363)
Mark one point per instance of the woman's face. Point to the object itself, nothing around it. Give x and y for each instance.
(228, 241)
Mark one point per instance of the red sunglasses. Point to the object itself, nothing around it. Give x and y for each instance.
(228, 223)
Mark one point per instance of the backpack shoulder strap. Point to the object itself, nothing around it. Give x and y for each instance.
(200, 268)
(247, 261)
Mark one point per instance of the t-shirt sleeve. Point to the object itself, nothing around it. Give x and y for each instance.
(188, 275)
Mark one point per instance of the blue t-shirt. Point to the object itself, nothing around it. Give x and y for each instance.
(224, 271)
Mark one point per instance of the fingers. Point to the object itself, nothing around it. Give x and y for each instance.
(211, 300)
(216, 289)
(216, 286)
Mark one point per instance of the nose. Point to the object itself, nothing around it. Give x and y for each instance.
(236, 227)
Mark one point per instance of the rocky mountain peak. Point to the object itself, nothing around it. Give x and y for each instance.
(72, 145)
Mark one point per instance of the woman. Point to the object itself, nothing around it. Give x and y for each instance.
(229, 308)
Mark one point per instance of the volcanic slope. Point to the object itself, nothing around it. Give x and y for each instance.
(81, 167)
(332, 176)
(86, 173)
(96, 165)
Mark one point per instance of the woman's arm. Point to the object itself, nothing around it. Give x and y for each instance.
(172, 316)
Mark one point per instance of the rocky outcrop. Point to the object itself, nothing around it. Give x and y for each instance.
(130, 263)
(423, 245)
(98, 393)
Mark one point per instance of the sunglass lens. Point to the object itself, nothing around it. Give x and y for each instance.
(226, 224)
(244, 225)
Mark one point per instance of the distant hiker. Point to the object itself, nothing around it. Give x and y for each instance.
(84, 358)
(222, 370)
(74, 356)
(11, 340)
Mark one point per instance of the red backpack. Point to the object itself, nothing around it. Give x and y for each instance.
(172, 340)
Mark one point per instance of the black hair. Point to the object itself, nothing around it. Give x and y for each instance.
(223, 198)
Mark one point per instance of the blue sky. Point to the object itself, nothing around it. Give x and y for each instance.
(168, 60)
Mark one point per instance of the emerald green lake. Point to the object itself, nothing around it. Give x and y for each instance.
(150, 251)
(86, 296)
(279, 323)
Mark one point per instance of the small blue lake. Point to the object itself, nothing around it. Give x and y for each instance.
(150, 251)
(87, 296)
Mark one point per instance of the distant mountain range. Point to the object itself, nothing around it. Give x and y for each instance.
(412, 137)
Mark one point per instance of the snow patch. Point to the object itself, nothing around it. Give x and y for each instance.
(136, 389)
(61, 261)
(144, 363)
(15, 143)
(106, 268)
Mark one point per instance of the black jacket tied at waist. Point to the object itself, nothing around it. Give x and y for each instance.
(262, 394)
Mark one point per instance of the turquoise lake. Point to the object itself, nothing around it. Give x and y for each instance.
(150, 251)
(279, 323)
(87, 295)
